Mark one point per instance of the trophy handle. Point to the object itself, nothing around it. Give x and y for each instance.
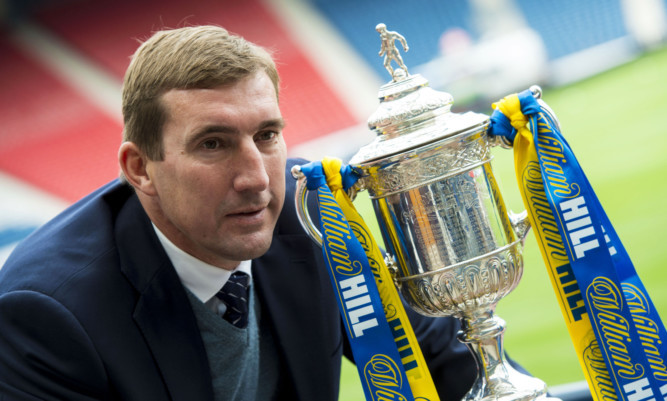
(520, 223)
(301, 206)
(537, 94)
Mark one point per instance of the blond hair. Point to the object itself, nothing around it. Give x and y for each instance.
(198, 57)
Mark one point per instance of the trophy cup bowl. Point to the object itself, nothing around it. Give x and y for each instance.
(452, 246)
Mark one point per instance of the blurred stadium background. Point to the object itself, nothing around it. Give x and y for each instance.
(601, 63)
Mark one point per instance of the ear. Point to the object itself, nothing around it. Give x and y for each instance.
(134, 162)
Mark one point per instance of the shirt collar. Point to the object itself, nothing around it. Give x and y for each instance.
(202, 279)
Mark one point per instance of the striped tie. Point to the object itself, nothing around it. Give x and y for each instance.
(235, 295)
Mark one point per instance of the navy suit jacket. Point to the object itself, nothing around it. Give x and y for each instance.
(92, 308)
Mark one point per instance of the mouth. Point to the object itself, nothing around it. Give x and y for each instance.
(249, 212)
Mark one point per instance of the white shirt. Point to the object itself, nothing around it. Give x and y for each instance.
(202, 279)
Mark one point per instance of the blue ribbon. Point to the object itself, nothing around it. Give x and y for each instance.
(371, 339)
(628, 329)
(500, 126)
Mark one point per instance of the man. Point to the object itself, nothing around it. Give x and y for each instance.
(115, 299)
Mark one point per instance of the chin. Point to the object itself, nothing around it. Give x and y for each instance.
(254, 248)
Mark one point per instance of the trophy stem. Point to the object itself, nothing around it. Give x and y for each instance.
(497, 379)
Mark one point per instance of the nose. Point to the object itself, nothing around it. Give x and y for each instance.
(250, 170)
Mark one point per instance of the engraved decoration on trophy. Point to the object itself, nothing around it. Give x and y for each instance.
(454, 248)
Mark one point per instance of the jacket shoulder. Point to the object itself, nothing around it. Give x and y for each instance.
(78, 236)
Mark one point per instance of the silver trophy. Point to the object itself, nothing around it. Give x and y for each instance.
(451, 244)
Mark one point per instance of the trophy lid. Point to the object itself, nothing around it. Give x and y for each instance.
(410, 114)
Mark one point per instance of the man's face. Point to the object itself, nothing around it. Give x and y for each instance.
(219, 190)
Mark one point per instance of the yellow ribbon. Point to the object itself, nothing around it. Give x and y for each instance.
(529, 177)
(412, 358)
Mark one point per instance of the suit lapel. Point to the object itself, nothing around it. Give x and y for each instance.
(296, 298)
(163, 312)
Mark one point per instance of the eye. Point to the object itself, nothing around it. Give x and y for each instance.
(211, 144)
(266, 136)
